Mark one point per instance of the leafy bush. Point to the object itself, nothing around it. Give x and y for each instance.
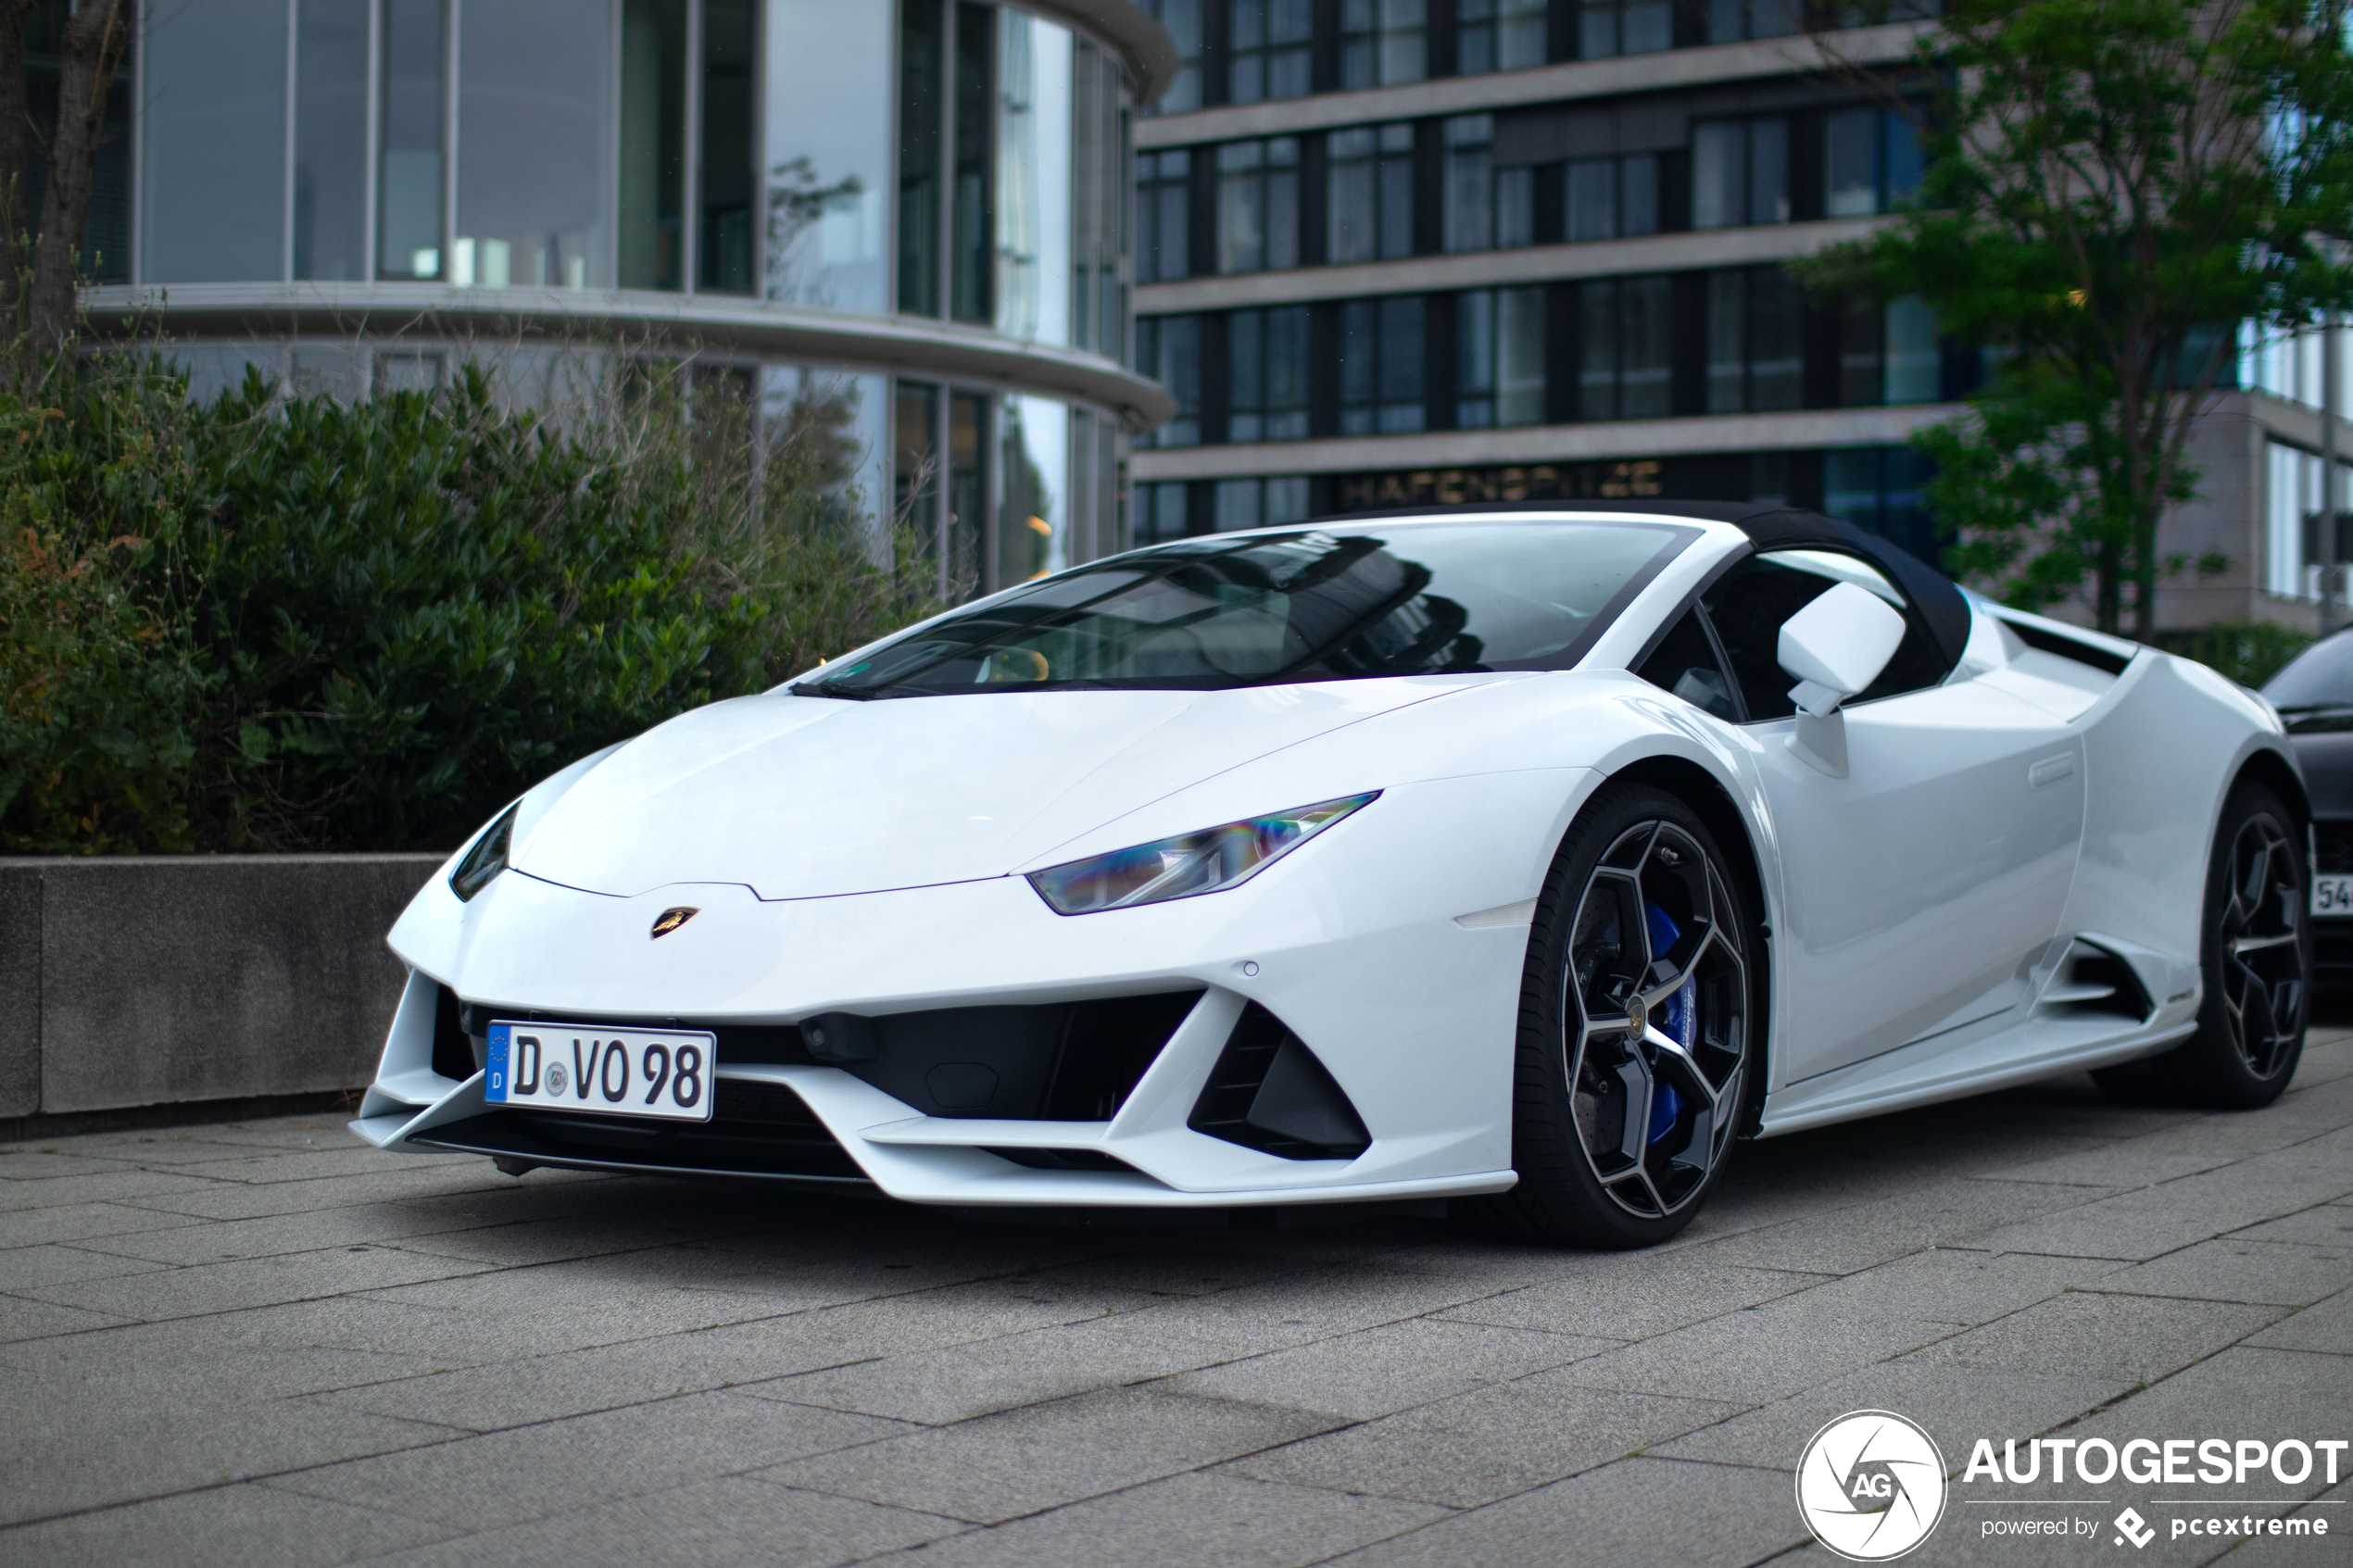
(2249, 652)
(280, 623)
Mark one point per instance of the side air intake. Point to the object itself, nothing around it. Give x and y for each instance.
(1269, 1093)
(2093, 982)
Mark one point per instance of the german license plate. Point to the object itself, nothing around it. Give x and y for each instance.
(2332, 895)
(613, 1071)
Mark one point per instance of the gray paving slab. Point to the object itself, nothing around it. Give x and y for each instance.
(2323, 1224)
(2185, 1148)
(1954, 1213)
(729, 1519)
(1955, 1404)
(150, 1295)
(2325, 1326)
(537, 1471)
(22, 1318)
(2129, 1340)
(106, 1186)
(1018, 1462)
(30, 1267)
(1719, 1516)
(240, 1526)
(85, 1223)
(1377, 1370)
(2149, 1221)
(1195, 1521)
(2235, 1269)
(1482, 1446)
(1628, 1295)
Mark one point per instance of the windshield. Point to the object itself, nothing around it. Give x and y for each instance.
(1306, 606)
(2321, 676)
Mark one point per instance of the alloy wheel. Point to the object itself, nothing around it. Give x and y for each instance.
(1654, 1019)
(2261, 940)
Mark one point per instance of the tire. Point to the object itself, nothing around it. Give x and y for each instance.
(2255, 957)
(1595, 1168)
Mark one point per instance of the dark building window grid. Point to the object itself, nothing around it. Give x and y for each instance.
(1382, 352)
(1609, 199)
(1163, 215)
(1626, 348)
(1499, 355)
(1270, 50)
(1168, 350)
(1492, 35)
(1258, 502)
(1731, 21)
(1606, 29)
(1183, 20)
(1266, 358)
(1871, 159)
(1258, 205)
(1383, 43)
(1370, 193)
(1755, 341)
(1486, 208)
(1739, 172)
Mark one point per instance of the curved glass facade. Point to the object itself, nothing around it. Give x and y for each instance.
(933, 190)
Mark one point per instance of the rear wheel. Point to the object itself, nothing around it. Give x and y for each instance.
(2256, 959)
(1634, 1033)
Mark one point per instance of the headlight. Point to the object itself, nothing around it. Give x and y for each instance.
(1207, 861)
(488, 858)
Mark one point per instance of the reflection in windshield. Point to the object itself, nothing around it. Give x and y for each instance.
(1304, 606)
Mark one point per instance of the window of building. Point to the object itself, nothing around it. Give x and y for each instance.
(972, 230)
(411, 166)
(1730, 21)
(532, 77)
(1870, 161)
(923, 41)
(1270, 52)
(1258, 205)
(1164, 207)
(1879, 488)
(1499, 375)
(1889, 354)
(725, 245)
(1160, 512)
(1369, 193)
(1609, 28)
(331, 140)
(830, 120)
(1497, 35)
(1267, 374)
(1608, 197)
(1624, 369)
(1380, 366)
(1098, 202)
(1756, 357)
(1739, 172)
(1383, 43)
(1168, 350)
(2294, 502)
(1182, 18)
(1487, 208)
(1260, 502)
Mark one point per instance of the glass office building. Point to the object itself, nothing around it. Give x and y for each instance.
(909, 216)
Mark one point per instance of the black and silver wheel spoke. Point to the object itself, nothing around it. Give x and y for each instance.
(2260, 934)
(1654, 1019)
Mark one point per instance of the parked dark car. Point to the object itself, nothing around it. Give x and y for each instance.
(2314, 696)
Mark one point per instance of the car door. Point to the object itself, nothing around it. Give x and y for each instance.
(1918, 889)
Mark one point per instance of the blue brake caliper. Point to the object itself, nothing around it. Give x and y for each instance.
(1681, 1008)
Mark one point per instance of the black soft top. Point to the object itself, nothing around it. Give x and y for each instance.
(1768, 528)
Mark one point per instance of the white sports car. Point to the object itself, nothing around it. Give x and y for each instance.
(1520, 857)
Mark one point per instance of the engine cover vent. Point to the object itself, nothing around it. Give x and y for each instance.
(1269, 1093)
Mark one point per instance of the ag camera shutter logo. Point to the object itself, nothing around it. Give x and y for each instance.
(1870, 1485)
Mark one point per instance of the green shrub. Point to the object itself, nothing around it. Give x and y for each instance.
(278, 622)
(2249, 652)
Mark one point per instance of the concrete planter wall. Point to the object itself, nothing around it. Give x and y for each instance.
(144, 980)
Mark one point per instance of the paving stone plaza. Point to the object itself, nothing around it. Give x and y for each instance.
(262, 1343)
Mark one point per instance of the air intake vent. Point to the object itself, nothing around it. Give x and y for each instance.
(1269, 1093)
(2093, 982)
(454, 1054)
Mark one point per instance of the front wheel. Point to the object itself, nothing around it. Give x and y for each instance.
(2255, 957)
(1634, 1033)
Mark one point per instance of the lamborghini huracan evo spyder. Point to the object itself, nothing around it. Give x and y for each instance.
(1528, 858)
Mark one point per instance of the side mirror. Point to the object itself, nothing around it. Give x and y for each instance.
(1835, 647)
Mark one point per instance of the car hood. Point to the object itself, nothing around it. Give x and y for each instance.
(805, 798)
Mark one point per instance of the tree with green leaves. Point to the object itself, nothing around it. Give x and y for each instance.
(2113, 186)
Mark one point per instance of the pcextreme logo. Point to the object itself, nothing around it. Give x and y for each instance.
(1870, 1485)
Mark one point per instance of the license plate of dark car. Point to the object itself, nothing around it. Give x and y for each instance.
(607, 1070)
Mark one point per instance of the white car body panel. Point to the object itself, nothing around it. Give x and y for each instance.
(869, 857)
